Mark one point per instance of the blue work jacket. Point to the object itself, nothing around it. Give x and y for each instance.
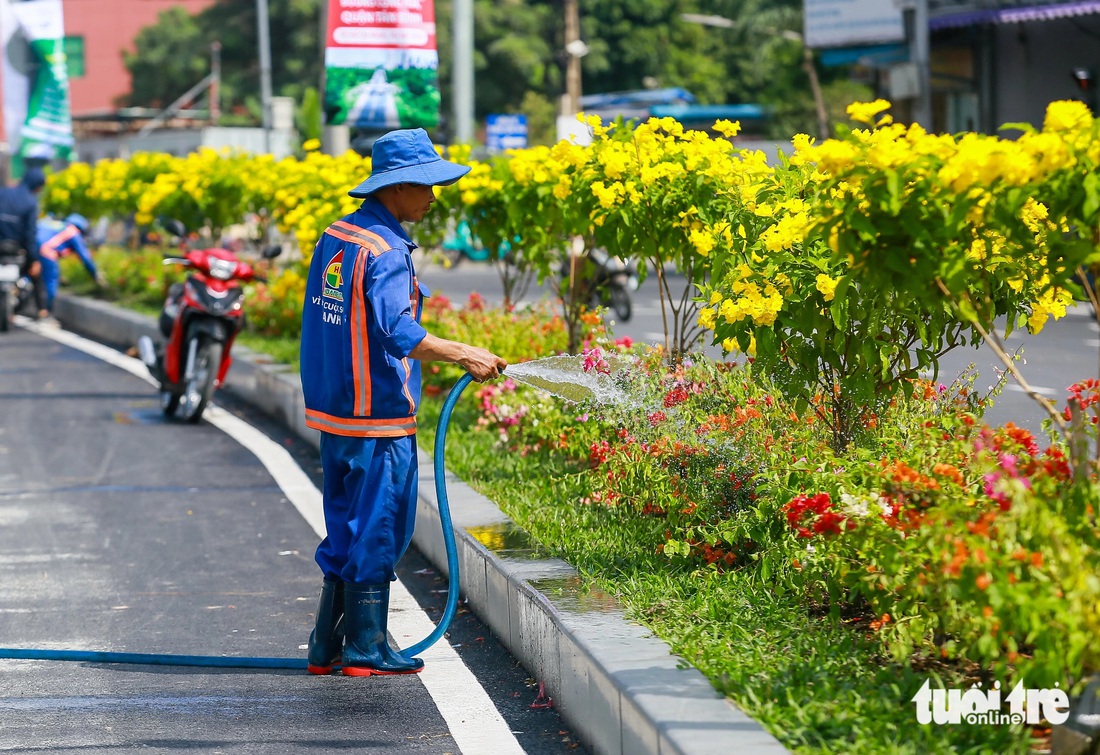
(19, 218)
(57, 238)
(360, 320)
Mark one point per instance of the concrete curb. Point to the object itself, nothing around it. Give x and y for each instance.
(614, 682)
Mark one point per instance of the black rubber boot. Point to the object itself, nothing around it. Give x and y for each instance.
(326, 643)
(367, 649)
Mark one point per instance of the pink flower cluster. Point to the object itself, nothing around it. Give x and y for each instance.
(1002, 481)
(594, 362)
(495, 411)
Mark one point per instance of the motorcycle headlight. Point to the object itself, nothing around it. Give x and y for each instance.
(222, 269)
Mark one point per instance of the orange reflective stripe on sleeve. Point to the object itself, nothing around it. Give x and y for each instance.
(360, 345)
(344, 230)
(405, 385)
(51, 250)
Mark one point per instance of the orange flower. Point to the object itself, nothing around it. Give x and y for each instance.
(880, 622)
(950, 471)
(983, 581)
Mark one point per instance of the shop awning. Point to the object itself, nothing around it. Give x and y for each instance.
(1014, 14)
(873, 55)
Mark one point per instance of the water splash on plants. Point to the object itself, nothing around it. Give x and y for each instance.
(578, 378)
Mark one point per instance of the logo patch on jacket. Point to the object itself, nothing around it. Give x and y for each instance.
(334, 278)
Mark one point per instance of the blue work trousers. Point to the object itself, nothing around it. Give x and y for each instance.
(370, 506)
(51, 279)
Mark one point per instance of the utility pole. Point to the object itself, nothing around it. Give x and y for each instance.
(915, 15)
(264, 34)
(462, 77)
(215, 82)
(575, 49)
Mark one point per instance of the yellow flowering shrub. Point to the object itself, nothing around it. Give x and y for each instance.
(943, 233)
(984, 226)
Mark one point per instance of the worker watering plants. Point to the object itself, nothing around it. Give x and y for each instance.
(362, 344)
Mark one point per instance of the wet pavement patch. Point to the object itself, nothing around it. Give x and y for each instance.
(509, 540)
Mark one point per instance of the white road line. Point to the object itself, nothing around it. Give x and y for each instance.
(1041, 390)
(474, 721)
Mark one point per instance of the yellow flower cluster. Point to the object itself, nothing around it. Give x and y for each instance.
(673, 195)
(1051, 303)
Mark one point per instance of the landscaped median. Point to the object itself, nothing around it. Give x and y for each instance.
(813, 524)
(818, 590)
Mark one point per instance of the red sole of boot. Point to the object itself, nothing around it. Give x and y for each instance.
(322, 670)
(363, 671)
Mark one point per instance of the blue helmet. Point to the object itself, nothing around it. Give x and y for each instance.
(79, 221)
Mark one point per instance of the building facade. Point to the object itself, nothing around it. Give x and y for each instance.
(96, 33)
(1003, 62)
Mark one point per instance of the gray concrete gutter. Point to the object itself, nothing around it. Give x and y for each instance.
(617, 685)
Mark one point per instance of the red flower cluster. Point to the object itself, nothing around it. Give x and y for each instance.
(598, 453)
(815, 515)
(475, 303)
(1012, 439)
(1087, 394)
(676, 396)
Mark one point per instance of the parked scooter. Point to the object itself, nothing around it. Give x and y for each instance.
(612, 281)
(462, 244)
(200, 320)
(605, 281)
(11, 263)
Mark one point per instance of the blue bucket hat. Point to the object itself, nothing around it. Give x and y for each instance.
(79, 221)
(407, 156)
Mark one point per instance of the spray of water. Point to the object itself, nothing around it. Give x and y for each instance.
(638, 403)
(565, 376)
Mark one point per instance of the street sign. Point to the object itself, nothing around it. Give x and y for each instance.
(505, 132)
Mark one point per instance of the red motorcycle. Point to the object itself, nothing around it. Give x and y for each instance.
(200, 320)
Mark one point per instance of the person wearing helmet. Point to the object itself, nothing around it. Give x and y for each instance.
(362, 345)
(57, 238)
(18, 219)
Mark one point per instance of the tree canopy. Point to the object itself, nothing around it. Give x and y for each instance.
(519, 56)
(173, 55)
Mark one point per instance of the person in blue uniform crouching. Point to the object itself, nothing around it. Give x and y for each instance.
(56, 239)
(362, 345)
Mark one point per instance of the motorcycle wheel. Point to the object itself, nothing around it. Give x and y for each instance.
(620, 302)
(5, 315)
(169, 403)
(451, 257)
(200, 388)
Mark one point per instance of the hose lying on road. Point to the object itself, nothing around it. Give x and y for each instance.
(296, 664)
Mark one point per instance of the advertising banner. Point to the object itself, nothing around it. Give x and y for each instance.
(504, 132)
(37, 114)
(843, 23)
(381, 65)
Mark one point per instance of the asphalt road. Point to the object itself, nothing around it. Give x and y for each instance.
(123, 531)
(1066, 351)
